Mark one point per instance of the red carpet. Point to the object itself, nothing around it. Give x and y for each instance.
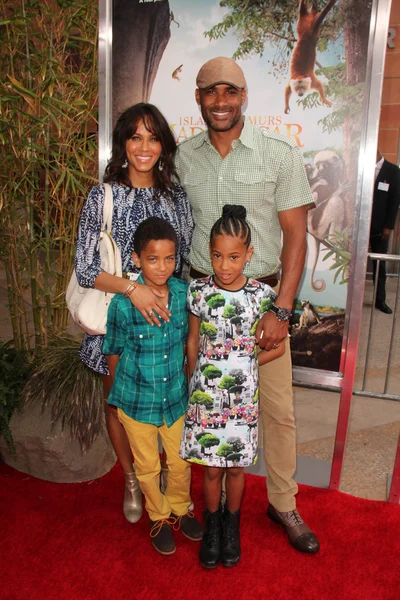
(70, 541)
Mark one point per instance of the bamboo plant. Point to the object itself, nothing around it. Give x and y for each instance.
(48, 145)
(48, 162)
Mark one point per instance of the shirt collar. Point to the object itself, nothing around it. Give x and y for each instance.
(200, 139)
(173, 284)
(246, 137)
(379, 163)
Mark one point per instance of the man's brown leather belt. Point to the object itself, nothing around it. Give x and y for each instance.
(271, 280)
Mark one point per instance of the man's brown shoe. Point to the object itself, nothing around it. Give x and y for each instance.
(299, 534)
(161, 536)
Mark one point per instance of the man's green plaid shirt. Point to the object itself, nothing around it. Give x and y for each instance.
(150, 385)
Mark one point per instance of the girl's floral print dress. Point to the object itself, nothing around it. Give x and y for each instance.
(221, 420)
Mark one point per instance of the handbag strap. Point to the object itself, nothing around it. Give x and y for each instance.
(106, 226)
(108, 208)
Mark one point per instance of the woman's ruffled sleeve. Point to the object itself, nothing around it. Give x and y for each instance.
(87, 257)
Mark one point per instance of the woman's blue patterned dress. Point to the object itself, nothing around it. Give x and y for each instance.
(131, 207)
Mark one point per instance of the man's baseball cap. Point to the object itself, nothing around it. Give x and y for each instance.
(220, 70)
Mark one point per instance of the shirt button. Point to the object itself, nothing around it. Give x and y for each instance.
(140, 336)
(165, 335)
(165, 379)
(165, 356)
(165, 399)
(220, 178)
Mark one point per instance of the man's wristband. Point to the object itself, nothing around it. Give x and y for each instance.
(282, 314)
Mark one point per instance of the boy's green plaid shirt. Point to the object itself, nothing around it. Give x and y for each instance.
(150, 385)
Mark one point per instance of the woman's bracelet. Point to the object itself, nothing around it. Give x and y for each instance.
(131, 287)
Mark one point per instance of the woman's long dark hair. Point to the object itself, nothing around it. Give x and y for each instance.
(124, 129)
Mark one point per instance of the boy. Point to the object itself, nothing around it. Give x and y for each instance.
(149, 385)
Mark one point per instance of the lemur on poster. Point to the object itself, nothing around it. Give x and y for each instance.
(302, 62)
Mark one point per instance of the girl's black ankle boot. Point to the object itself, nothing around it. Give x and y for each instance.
(210, 550)
(230, 550)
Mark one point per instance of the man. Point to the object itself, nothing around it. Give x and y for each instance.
(235, 162)
(384, 210)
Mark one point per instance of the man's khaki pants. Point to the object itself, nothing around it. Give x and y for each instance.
(143, 440)
(279, 430)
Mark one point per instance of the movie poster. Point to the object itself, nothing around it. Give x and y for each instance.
(305, 67)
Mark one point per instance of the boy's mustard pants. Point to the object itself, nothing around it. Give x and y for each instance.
(143, 440)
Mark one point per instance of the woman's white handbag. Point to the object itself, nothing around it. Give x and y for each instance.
(89, 306)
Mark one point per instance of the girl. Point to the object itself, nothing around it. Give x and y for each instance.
(141, 172)
(224, 310)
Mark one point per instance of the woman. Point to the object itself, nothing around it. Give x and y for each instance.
(141, 172)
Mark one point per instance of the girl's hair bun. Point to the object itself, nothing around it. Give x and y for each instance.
(234, 210)
(233, 222)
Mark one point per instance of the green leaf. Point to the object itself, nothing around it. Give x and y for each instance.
(328, 254)
(21, 89)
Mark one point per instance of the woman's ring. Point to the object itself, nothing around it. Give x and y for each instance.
(150, 313)
(275, 346)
